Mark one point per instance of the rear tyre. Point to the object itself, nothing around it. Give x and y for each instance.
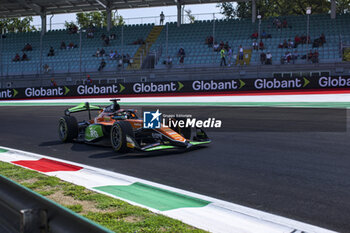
(119, 132)
(67, 128)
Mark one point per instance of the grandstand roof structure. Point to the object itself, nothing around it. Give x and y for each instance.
(21, 8)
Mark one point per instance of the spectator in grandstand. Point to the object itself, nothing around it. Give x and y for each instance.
(314, 58)
(222, 56)
(240, 53)
(182, 55)
(71, 45)
(27, 47)
(287, 57)
(47, 68)
(284, 23)
(264, 35)
(285, 44)
(112, 36)
(277, 23)
(128, 59)
(229, 56)
(305, 39)
(255, 35)
(280, 45)
(102, 65)
(319, 41)
(138, 41)
(290, 44)
(268, 58)
(53, 83)
(112, 55)
(295, 56)
(91, 28)
(255, 45)
(63, 45)
(261, 45)
(116, 55)
(222, 44)
(25, 57)
(323, 38)
(297, 41)
(16, 58)
(283, 59)
(102, 53)
(97, 53)
(209, 41)
(309, 55)
(88, 80)
(51, 52)
(216, 47)
(106, 41)
(168, 62)
(162, 16)
(262, 58)
(73, 29)
(90, 34)
(316, 43)
(226, 46)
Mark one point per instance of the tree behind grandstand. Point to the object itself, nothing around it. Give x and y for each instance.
(96, 19)
(271, 8)
(17, 25)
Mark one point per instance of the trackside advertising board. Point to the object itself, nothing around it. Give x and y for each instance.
(193, 87)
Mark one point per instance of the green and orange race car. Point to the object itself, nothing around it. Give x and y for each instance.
(124, 130)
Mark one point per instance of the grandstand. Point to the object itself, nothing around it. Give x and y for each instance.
(164, 41)
(237, 32)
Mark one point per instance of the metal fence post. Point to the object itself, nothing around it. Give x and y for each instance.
(122, 39)
(80, 44)
(167, 38)
(41, 52)
(1, 53)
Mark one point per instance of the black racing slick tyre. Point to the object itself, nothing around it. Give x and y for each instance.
(119, 131)
(67, 128)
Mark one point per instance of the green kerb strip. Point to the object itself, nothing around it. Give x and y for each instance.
(232, 104)
(153, 197)
(3, 150)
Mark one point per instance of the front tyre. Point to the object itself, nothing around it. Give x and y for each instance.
(67, 128)
(119, 132)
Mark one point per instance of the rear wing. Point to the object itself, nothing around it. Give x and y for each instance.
(81, 108)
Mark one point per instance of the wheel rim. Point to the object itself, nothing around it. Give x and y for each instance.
(116, 137)
(62, 130)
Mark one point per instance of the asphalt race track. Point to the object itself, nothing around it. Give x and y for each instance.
(290, 162)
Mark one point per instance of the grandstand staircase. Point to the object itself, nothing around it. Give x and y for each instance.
(143, 50)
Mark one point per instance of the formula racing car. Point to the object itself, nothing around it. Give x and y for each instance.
(123, 130)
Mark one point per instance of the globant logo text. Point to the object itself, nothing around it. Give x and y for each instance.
(95, 90)
(145, 88)
(334, 82)
(275, 83)
(213, 85)
(42, 92)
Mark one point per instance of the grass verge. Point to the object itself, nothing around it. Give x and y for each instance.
(114, 214)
